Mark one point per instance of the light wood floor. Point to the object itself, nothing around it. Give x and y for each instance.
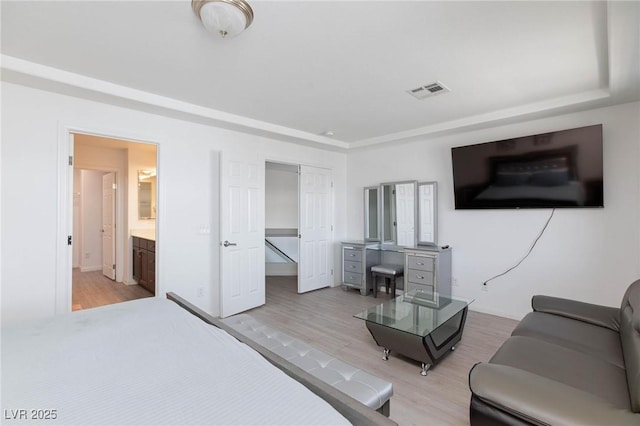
(92, 289)
(324, 319)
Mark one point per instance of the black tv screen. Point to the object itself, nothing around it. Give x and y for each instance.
(557, 169)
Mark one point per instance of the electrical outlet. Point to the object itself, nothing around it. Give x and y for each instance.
(485, 287)
(455, 282)
(200, 292)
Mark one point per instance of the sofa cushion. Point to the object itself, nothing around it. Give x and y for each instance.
(630, 338)
(596, 341)
(565, 365)
(503, 395)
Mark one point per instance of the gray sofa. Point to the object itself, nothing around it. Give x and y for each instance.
(567, 362)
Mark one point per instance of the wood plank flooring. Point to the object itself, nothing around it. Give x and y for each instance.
(324, 319)
(92, 289)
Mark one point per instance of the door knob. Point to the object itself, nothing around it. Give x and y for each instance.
(227, 243)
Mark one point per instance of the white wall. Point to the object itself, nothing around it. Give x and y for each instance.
(586, 254)
(281, 199)
(90, 220)
(76, 218)
(31, 124)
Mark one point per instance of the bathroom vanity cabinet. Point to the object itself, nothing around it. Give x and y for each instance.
(144, 263)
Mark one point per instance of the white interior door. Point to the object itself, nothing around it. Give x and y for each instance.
(314, 266)
(242, 282)
(405, 208)
(109, 225)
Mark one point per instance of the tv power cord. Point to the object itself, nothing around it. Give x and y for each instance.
(528, 252)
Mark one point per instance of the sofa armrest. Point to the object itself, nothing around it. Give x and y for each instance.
(603, 316)
(537, 399)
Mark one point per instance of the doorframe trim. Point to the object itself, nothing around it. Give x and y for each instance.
(64, 221)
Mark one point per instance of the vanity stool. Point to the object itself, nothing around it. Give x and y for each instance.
(389, 272)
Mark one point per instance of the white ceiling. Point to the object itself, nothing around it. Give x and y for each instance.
(306, 67)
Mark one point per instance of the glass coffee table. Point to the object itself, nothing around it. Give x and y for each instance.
(423, 329)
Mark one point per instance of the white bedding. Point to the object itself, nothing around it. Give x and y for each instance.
(146, 362)
(572, 192)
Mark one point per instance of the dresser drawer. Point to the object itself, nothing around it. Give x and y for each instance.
(350, 266)
(353, 255)
(421, 263)
(426, 291)
(151, 245)
(420, 277)
(353, 278)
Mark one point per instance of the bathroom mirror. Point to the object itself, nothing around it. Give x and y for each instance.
(428, 213)
(146, 194)
(399, 212)
(372, 213)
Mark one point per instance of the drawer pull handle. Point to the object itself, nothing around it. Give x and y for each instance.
(420, 277)
(420, 263)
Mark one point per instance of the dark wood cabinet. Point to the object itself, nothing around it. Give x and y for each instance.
(144, 263)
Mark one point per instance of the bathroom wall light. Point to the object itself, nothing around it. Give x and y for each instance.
(227, 18)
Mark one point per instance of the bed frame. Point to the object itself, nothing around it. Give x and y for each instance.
(354, 411)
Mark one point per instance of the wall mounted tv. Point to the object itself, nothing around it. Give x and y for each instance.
(556, 169)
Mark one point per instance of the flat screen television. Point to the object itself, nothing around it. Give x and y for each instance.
(556, 169)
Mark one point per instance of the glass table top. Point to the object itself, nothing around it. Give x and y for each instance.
(415, 314)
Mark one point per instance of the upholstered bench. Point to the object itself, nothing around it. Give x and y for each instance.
(358, 384)
(388, 272)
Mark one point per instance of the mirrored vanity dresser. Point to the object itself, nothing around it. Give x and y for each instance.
(356, 265)
(400, 228)
(427, 269)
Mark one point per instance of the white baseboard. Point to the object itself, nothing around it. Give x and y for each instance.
(483, 310)
(90, 268)
(281, 269)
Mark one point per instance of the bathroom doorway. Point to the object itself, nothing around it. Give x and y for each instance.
(108, 211)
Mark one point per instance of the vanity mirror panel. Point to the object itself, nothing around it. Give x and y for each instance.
(428, 213)
(402, 213)
(399, 212)
(147, 194)
(372, 213)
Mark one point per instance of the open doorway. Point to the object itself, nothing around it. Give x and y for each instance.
(298, 226)
(109, 217)
(281, 227)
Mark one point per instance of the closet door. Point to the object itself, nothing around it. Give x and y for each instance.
(315, 218)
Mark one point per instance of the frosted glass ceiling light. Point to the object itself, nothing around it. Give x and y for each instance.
(228, 18)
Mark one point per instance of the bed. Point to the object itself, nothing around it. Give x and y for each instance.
(157, 361)
(571, 193)
(540, 178)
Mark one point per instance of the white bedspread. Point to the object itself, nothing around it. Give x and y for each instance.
(146, 362)
(572, 192)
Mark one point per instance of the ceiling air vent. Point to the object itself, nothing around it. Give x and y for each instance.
(428, 90)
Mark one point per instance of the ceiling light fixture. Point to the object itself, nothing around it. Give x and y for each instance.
(227, 18)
